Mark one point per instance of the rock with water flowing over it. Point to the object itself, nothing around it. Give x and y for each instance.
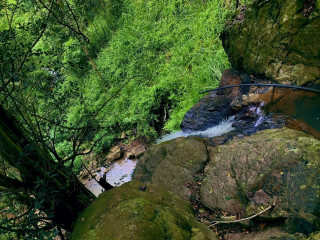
(243, 104)
(214, 107)
(173, 164)
(275, 166)
(128, 212)
(278, 39)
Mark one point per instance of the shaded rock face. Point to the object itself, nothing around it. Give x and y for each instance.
(278, 39)
(268, 234)
(278, 166)
(302, 223)
(133, 211)
(173, 164)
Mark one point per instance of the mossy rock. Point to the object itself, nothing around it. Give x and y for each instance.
(173, 164)
(275, 166)
(278, 39)
(305, 223)
(129, 213)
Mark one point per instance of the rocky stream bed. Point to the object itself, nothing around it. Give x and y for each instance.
(248, 163)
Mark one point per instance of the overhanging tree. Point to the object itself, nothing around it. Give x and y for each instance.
(32, 171)
(43, 182)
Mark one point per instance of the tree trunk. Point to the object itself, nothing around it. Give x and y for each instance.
(59, 192)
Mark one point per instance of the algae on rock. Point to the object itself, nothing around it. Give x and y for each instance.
(141, 213)
(172, 164)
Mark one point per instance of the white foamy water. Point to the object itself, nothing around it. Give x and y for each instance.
(223, 127)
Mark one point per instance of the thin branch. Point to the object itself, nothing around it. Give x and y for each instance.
(243, 219)
(104, 184)
(90, 150)
(34, 43)
(9, 92)
(73, 15)
(57, 124)
(86, 39)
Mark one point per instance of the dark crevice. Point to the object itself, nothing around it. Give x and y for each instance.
(308, 8)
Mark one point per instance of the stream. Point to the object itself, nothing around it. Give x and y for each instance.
(298, 110)
(118, 173)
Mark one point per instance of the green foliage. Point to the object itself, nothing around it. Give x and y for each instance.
(160, 53)
(170, 50)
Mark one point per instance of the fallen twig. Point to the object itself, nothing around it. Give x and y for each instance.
(243, 219)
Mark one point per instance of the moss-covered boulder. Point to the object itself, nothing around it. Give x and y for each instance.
(278, 39)
(275, 166)
(305, 223)
(139, 212)
(173, 164)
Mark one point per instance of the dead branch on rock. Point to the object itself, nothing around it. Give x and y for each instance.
(243, 219)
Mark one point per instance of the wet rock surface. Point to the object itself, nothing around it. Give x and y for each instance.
(244, 104)
(255, 108)
(214, 107)
(173, 164)
(277, 39)
(129, 213)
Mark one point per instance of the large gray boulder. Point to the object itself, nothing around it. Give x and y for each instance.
(275, 166)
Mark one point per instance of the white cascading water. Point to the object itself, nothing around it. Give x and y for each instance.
(223, 127)
(261, 115)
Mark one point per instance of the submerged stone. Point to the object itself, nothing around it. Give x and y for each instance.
(128, 213)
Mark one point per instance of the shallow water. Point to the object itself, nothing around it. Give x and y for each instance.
(121, 172)
(308, 110)
(301, 105)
